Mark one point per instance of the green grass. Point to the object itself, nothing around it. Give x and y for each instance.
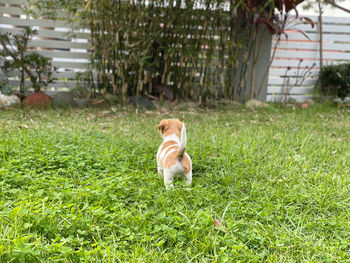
(81, 186)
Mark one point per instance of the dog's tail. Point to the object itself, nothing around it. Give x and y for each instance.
(182, 143)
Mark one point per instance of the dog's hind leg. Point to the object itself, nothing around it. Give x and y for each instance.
(168, 179)
(188, 178)
(160, 171)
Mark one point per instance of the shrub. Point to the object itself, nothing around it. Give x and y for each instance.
(31, 65)
(335, 80)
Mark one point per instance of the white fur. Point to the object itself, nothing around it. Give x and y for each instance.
(183, 140)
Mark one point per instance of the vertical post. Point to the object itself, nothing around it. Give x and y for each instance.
(320, 33)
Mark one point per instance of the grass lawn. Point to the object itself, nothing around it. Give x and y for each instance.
(271, 185)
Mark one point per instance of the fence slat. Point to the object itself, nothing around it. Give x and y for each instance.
(312, 46)
(291, 90)
(282, 72)
(281, 98)
(68, 35)
(70, 65)
(62, 54)
(282, 81)
(327, 28)
(311, 54)
(14, 2)
(33, 22)
(314, 37)
(59, 44)
(19, 11)
(56, 84)
(335, 20)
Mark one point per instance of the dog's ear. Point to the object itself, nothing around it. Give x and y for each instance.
(162, 126)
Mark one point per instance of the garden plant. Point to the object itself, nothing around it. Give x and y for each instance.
(36, 68)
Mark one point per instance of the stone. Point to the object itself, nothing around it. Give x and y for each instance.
(143, 102)
(310, 102)
(186, 106)
(63, 99)
(82, 103)
(162, 89)
(37, 100)
(221, 103)
(253, 103)
(99, 103)
(112, 99)
(9, 100)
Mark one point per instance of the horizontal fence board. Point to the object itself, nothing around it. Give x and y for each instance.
(292, 90)
(59, 44)
(311, 54)
(313, 46)
(70, 65)
(64, 75)
(281, 81)
(34, 22)
(55, 75)
(294, 63)
(62, 54)
(281, 98)
(50, 33)
(328, 20)
(282, 72)
(10, 10)
(335, 20)
(56, 84)
(327, 29)
(14, 2)
(315, 37)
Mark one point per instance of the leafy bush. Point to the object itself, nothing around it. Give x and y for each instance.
(31, 65)
(335, 80)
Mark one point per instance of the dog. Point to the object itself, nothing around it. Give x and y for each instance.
(172, 159)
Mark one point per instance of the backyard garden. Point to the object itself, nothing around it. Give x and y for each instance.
(83, 89)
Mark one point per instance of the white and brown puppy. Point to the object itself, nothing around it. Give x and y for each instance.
(172, 159)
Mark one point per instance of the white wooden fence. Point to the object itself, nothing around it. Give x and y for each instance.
(68, 49)
(293, 57)
(299, 55)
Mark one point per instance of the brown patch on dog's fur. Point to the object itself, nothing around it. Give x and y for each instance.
(168, 143)
(172, 158)
(186, 164)
(175, 146)
(170, 126)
